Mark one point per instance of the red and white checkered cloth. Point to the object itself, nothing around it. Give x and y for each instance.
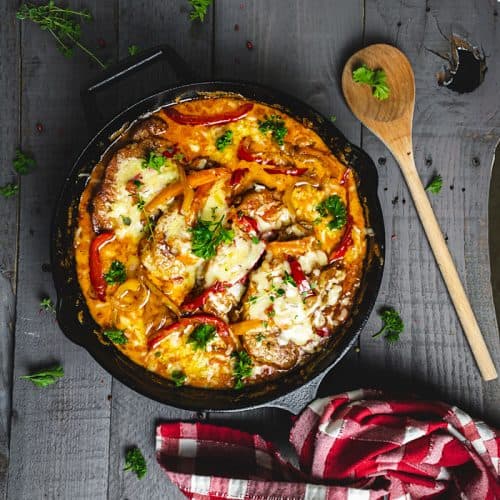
(358, 445)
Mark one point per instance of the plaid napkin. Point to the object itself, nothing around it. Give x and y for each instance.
(358, 445)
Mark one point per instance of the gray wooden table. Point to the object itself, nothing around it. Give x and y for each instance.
(68, 441)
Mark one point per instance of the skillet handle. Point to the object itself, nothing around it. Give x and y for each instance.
(124, 68)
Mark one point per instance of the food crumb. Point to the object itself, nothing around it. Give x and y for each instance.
(395, 200)
(39, 127)
(249, 45)
(385, 189)
(452, 187)
(393, 237)
(463, 190)
(236, 27)
(110, 397)
(357, 349)
(382, 161)
(403, 201)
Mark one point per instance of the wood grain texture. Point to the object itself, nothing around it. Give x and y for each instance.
(60, 434)
(9, 137)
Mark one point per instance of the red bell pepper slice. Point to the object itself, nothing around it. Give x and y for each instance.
(246, 155)
(201, 300)
(286, 170)
(300, 278)
(248, 224)
(217, 119)
(237, 176)
(345, 243)
(221, 327)
(322, 332)
(95, 265)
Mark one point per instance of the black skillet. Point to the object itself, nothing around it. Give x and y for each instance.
(296, 388)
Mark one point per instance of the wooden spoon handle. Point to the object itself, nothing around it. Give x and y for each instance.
(404, 156)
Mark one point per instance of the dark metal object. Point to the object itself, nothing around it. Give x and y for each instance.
(294, 389)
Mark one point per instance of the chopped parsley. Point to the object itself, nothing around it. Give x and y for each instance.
(200, 8)
(116, 274)
(141, 203)
(377, 79)
(178, 156)
(47, 305)
(288, 279)
(260, 337)
(126, 220)
(43, 378)
(201, 336)
(178, 378)
(149, 227)
(22, 162)
(393, 325)
(255, 240)
(116, 336)
(133, 50)
(242, 368)
(135, 462)
(276, 125)
(224, 140)
(252, 299)
(9, 190)
(435, 184)
(280, 291)
(154, 161)
(333, 206)
(207, 236)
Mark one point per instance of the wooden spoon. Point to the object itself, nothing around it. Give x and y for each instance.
(391, 121)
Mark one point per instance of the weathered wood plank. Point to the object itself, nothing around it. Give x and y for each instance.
(60, 435)
(134, 417)
(452, 133)
(9, 137)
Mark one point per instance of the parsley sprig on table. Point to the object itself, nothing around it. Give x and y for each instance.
(276, 125)
(200, 8)
(47, 305)
(22, 162)
(9, 190)
(135, 462)
(207, 235)
(43, 378)
(377, 79)
(62, 23)
(116, 336)
(435, 184)
(133, 50)
(335, 207)
(116, 273)
(393, 325)
(242, 368)
(201, 336)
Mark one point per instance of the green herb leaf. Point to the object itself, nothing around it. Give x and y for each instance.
(276, 125)
(288, 279)
(224, 140)
(116, 336)
(9, 190)
(126, 220)
(22, 162)
(63, 24)
(154, 161)
(116, 274)
(255, 240)
(393, 325)
(135, 462)
(200, 8)
(43, 378)
(141, 203)
(207, 236)
(133, 50)
(47, 305)
(242, 367)
(201, 336)
(435, 184)
(178, 378)
(335, 207)
(377, 79)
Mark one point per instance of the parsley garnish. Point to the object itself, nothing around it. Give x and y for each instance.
(288, 279)
(207, 236)
(255, 240)
(9, 190)
(224, 140)
(179, 156)
(126, 220)
(377, 79)
(47, 305)
(141, 203)
(43, 378)
(276, 125)
(116, 336)
(252, 299)
(133, 50)
(335, 207)
(200, 8)
(435, 184)
(135, 462)
(260, 337)
(242, 367)
(178, 378)
(154, 161)
(393, 325)
(116, 274)
(22, 162)
(201, 336)
(63, 24)
(280, 291)
(149, 227)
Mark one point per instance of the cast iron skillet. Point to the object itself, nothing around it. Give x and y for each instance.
(297, 387)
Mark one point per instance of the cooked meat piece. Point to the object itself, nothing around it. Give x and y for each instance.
(148, 128)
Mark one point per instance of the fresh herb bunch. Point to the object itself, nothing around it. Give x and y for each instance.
(224, 140)
(393, 325)
(435, 184)
(63, 24)
(116, 274)
(43, 378)
(201, 336)
(135, 462)
(47, 305)
(116, 336)
(9, 190)
(133, 50)
(178, 378)
(276, 125)
(377, 79)
(154, 160)
(335, 207)
(22, 162)
(242, 367)
(207, 236)
(199, 10)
